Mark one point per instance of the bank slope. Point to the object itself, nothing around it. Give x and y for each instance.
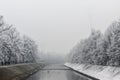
(99, 72)
(20, 71)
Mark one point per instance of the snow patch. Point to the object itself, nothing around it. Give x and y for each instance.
(99, 72)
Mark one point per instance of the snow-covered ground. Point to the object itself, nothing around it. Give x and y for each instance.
(99, 72)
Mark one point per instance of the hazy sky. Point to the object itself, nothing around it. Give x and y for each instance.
(57, 25)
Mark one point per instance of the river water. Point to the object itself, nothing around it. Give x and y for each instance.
(57, 72)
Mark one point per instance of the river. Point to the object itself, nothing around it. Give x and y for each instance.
(57, 72)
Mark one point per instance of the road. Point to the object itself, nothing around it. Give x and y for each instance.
(57, 72)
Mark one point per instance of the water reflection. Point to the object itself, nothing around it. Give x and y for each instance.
(71, 75)
(57, 75)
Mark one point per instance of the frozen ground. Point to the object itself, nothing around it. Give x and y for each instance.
(100, 72)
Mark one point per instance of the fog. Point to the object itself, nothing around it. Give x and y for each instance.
(57, 25)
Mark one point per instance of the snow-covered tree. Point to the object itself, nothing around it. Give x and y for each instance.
(84, 51)
(14, 48)
(30, 49)
(99, 49)
(112, 37)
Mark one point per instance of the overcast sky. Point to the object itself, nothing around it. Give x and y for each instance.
(57, 25)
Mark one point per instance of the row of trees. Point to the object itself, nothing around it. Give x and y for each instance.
(15, 48)
(98, 48)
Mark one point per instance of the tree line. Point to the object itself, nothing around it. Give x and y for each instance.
(15, 48)
(99, 48)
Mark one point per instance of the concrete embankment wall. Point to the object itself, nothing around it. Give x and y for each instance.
(18, 72)
(99, 72)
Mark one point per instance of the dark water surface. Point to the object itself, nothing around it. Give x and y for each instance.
(57, 72)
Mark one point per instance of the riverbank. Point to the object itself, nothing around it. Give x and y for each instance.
(20, 71)
(99, 72)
